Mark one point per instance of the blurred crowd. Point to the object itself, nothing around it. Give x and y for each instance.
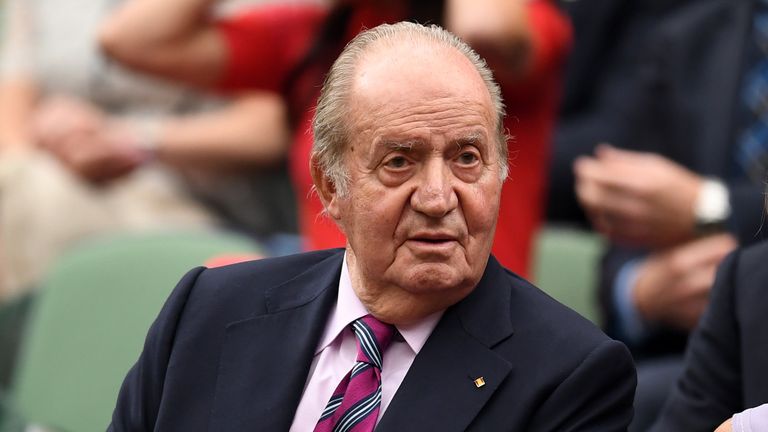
(644, 122)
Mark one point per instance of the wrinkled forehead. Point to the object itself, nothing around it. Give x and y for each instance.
(409, 78)
(413, 65)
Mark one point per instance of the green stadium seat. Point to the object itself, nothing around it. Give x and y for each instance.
(88, 324)
(566, 264)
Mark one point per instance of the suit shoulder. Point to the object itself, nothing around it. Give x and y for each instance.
(242, 286)
(565, 357)
(752, 258)
(745, 269)
(544, 316)
(270, 271)
(743, 276)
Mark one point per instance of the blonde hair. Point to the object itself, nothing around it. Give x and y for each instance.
(331, 116)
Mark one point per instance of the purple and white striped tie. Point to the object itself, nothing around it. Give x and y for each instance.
(354, 405)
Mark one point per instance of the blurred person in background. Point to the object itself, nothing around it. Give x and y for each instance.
(682, 184)
(725, 370)
(87, 147)
(600, 75)
(289, 48)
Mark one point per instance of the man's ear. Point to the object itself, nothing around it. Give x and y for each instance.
(326, 190)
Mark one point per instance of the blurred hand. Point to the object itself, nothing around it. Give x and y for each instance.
(83, 139)
(498, 29)
(59, 117)
(673, 286)
(635, 198)
(105, 155)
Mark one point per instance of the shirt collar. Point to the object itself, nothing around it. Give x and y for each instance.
(349, 308)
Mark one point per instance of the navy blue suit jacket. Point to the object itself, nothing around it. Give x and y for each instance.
(725, 364)
(232, 347)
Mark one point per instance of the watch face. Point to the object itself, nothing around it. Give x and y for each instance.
(712, 203)
(712, 207)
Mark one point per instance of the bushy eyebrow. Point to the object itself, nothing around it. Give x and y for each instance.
(406, 145)
(472, 139)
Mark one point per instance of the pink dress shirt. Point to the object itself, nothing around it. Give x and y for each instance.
(335, 355)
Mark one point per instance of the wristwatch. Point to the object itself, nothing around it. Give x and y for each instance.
(712, 207)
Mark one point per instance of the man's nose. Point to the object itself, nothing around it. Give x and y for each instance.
(435, 195)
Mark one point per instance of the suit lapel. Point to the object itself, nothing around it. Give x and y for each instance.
(265, 359)
(458, 352)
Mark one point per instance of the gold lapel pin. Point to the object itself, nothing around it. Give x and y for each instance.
(479, 382)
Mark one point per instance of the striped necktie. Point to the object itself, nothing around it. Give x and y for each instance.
(752, 150)
(354, 405)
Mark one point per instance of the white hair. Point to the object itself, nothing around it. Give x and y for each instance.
(331, 116)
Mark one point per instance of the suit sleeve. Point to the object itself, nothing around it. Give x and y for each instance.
(141, 393)
(709, 390)
(597, 395)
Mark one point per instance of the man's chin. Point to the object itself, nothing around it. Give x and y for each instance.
(434, 277)
(411, 303)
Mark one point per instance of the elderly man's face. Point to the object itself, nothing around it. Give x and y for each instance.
(421, 208)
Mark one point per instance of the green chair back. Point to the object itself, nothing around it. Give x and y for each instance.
(566, 267)
(13, 318)
(89, 323)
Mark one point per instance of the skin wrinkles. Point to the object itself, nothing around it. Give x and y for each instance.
(424, 188)
(386, 147)
(404, 119)
(418, 123)
(437, 104)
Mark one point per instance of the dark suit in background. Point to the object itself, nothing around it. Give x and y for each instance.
(609, 37)
(232, 348)
(725, 363)
(671, 85)
(687, 108)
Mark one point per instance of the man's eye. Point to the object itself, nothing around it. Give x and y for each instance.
(396, 162)
(468, 158)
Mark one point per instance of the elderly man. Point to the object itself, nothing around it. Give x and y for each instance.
(414, 326)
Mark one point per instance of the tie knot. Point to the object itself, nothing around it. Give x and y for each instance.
(373, 338)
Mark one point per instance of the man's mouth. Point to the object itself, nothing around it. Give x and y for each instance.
(432, 241)
(433, 237)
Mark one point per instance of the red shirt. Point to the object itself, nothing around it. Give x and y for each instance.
(265, 44)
